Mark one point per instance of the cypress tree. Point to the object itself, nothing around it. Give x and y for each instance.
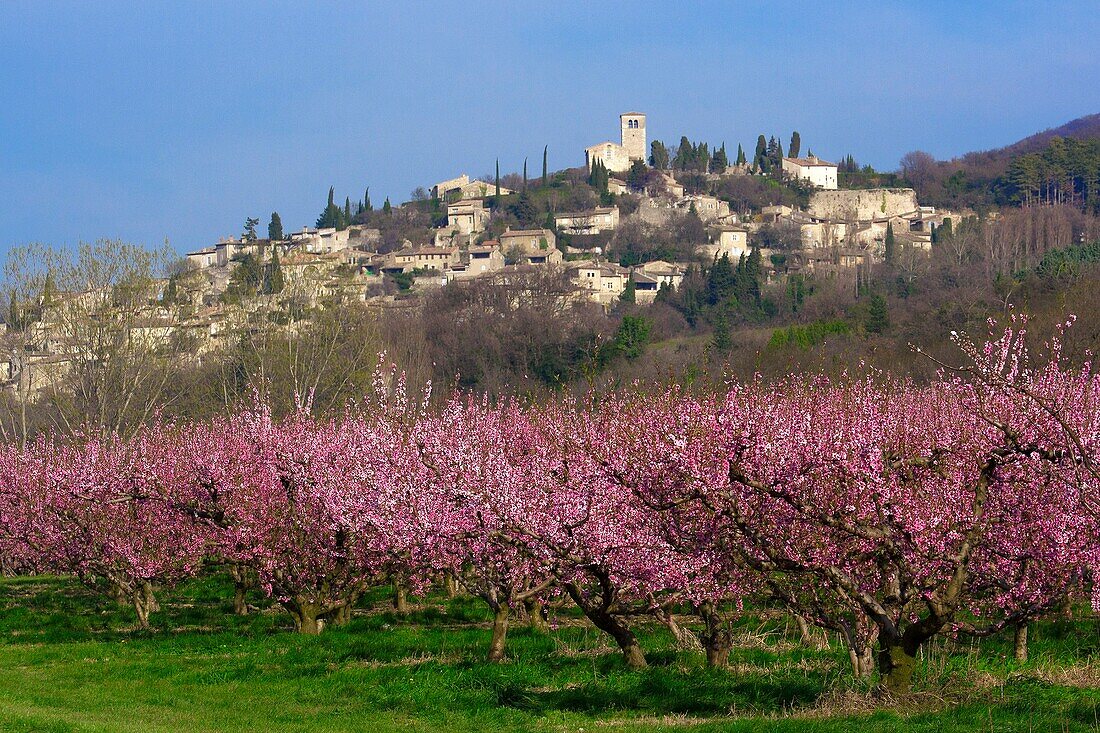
(386, 208)
(275, 282)
(891, 244)
(347, 210)
(275, 227)
(525, 174)
(759, 160)
(629, 292)
(498, 182)
(721, 340)
(366, 201)
(796, 145)
(740, 155)
(544, 149)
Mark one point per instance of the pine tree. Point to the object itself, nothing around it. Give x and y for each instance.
(250, 225)
(685, 154)
(878, 316)
(330, 217)
(275, 227)
(796, 145)
(891, 244)
(544, 171)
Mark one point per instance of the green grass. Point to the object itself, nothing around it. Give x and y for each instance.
(72, 661)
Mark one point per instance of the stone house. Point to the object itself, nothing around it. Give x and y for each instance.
(467, 216)
(708, 208)
(600, 219)
(201, 259)
(815, 171)
(726, 239)
(456, 189)
(533, 246)
(602, 282)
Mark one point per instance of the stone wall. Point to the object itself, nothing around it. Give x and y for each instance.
(866, 204)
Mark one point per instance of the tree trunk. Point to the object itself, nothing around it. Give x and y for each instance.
(863, 662)
(803, 629)
(500, 632)
(400, 596)
(151, 602)
(119, 594)
(536, 615)
(1019, 643)
(240, 605)
(450, 585)
(896, 666)
(717, 639)
(144, 603)
(307, 617)
(611, 624)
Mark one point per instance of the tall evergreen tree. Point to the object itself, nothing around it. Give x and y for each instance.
(760, 158)
(496, 196)
(891, 245)
(796, 145)
(544, 171)
(275, 227)
(274, 284)
(658, 155)
(721, 340)
(629, 292)
(367, 206)
(347, 211)
(386, 208)
(719, 161)
(525, 174)
(740, 155)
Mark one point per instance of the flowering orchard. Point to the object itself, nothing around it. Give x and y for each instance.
(886, 512)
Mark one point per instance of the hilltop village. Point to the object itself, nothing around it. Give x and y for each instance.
(836, 230)
(627, 227)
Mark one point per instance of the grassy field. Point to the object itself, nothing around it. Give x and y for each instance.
(72, 661)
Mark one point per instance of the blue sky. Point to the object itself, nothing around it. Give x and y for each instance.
(153, 120)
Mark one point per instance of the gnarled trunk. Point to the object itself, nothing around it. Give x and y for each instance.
(803, 629)
(145, 603)
(536, 615)
(307, 616)
(717, 639)
(500, 632)
(896, 665)
(611, 624)
(862, 660)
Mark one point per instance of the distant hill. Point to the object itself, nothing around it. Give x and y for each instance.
(1082, 128)
(992, 177)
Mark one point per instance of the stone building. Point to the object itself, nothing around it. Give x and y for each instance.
(525, 244)
(632, 146)
(456, 189)
(468, 216)
(813, 170)
(600, 219)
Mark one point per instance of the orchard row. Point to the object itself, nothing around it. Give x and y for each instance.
(884, 511)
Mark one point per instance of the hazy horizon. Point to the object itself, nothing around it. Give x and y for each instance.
(178, 120)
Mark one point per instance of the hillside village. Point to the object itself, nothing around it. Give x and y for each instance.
(588, 228)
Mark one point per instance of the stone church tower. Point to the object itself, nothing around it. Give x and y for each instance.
(633, 129)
